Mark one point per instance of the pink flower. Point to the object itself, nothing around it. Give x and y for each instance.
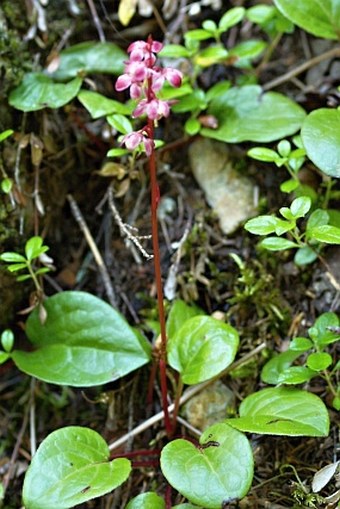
(154, 109)
(134, 139)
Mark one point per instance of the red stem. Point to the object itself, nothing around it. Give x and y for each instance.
(158, 278)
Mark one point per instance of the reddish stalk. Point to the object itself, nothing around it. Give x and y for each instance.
(155, 196)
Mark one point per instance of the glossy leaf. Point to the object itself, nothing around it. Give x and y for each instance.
(70, 467)
(121, 123)
(300, 344)
(326, 233)
(179, 313)
(263, 154)
(219, 470)
(262, 225)
(300, 206)
(272, 370)
(318, 18)
(34, 248)
(174, 51)
(277, 244)
(7, 340)
(296, 375)
(90, 57)
(305, 255)
(321, 138)
(283, 411)
(318, 217)
(248, 114)
(83, 342)
(99, 106)
(12, 257)
(202, 348)
(231, 18)
(147, 500)
(318, 361)
(38, 91)
(323, 331)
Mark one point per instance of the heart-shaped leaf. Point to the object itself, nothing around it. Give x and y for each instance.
(319, 18)
(283, 411)
(70, 467)
(90, 57)
(321, 137)
(249, 114)
(277, 365)
(147, 500)
(83, 342)
(202, 348)
(219, 470)
(38, 91)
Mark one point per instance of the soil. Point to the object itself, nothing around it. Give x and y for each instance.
(284, 304)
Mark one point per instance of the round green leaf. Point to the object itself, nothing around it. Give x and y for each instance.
(320, 18)
(147, 500)
(192, 126)
(321, 137)
(98, 105)
(202, 348)
(305, 255)
(121, 123)
(300, 344)
(248, 114)
(283, 411)
(219, 470)
(319, 361)
(38, 91)
(322, 332)
(70, 467)
(6, 185)
(263, 154)
(300, 206)
(83, 342)
(174, 51)
(90, 57)
(7, 340)
(262, 225)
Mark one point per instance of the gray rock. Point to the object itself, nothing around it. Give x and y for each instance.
(228, 193)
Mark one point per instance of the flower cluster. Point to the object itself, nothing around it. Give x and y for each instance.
(145, 79)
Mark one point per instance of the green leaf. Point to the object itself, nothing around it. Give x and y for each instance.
(219, 470)
(300, 344)
(284, 148)
(277, 244)
(322, 331)
(192, 126)
(186, 506)
(7, 340)
(231, 18)
(202, 348)
(191, 102)
(98, 105)
(263, 154)
(147, 500)
(318, 217)
(4, 356)
(248, 114)
(117, 152)
(305, 255)
(210, 56)
(283, 411)
(262, 225)
(321, 138)
(174, 51)
(83, 342)
(319, 361)
(17, 266)
(289, 185)
(318, 18)
(34, 248)
(38, 91)
(300, 206)
(90, 57)
(12, 257)
(247, 51)
(70, 467)
(261, 13)
(296, 375)
(121, 123)
(179, 313)
(197, 35)
(6, 185)
(326, 233)
(272, 370)
(217, 89)
(209, 25)
(5, 134)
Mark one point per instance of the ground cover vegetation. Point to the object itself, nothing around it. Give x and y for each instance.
(153, 357)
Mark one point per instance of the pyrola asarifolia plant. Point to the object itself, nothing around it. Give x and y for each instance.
(145, 79)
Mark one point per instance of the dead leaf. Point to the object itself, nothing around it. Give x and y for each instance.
(126, 11)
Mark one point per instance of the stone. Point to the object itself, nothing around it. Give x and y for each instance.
(229, 194)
